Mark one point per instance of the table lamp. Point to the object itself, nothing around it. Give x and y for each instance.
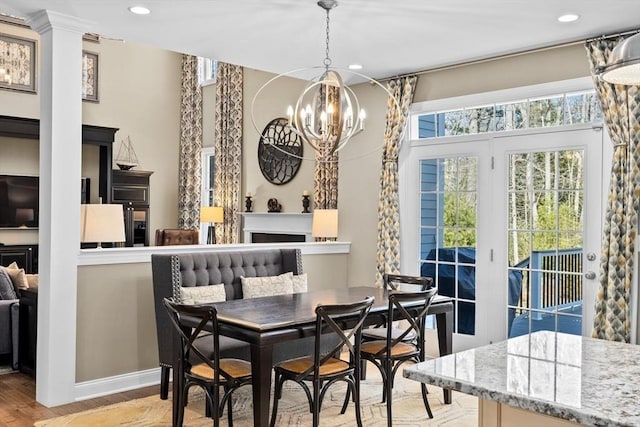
(213, 215)
(101, 223)
(325, 223)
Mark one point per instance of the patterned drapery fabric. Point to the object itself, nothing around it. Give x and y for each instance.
(621, 107)
(228, 149)
(190, 145)
(325, 176)
(388, 246)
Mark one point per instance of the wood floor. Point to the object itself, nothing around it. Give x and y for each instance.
(18, 406)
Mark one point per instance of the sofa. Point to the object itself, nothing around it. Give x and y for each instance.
(9, 329)
(173, 271)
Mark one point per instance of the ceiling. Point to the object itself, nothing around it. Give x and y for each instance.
(388, 37)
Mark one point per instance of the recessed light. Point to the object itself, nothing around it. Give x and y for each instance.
(355, 67)
(568, 17)
(139, 10)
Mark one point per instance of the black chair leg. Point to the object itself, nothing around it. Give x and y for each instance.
(426, 402)
(388, 387)
(277, 394)
(356, 402)
(363, 370)
(164, 382)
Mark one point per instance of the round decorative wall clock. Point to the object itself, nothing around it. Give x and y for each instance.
(279, 152)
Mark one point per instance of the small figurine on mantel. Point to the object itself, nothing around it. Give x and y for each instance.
(305, 201)
(273, 205)
(126, 158)
(248, 203)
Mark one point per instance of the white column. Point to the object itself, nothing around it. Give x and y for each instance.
(59, 232)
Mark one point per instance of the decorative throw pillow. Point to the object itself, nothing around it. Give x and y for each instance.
(7, 292)
(203, 294)
(300, 283)
(254, 287)
(32, 279)
(18, 276)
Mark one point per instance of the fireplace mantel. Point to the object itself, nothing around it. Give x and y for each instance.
(277, 223)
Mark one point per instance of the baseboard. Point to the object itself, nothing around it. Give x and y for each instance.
(116, 384)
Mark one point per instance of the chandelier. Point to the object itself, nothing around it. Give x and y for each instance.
(324, 113)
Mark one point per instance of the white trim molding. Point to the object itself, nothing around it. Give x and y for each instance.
(117, 384)
(142, 254)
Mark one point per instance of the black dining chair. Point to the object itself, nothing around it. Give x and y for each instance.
(326, 368)
(390, 353)
(394, 282)
(197, 369)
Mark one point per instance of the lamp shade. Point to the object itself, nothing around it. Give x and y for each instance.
(101, 223)
(213, 214)
(624, 65)
(325, 223)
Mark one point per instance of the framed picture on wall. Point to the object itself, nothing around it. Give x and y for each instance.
(17, 63)
(90, 76)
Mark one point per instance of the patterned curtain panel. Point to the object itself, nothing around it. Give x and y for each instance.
(190, 145)
(388, 247)
(228, 149)
(325, 182)
(621, 108)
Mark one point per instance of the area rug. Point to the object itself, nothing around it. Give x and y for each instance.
(293, 410)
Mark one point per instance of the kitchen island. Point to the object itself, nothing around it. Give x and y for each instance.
(544, 379)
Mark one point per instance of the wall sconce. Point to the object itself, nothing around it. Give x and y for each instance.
(325, 223)
(101, 223)
(213, 215)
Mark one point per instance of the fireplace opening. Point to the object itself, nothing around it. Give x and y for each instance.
(276, 238)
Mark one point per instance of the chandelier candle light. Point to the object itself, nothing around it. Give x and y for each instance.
(323, 115)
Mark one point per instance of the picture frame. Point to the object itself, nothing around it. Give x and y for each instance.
(90, 76)
(17, 63)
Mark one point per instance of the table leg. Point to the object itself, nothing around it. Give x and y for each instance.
(444, 322)
(261, 364)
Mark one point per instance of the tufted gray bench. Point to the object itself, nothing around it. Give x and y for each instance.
(171, 271)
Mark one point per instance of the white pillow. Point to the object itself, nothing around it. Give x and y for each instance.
(300, 283)
(254, 287)
(202, 294)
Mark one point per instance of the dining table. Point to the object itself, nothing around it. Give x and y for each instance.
(265, 321)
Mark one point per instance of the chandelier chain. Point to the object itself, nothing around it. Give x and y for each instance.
(327, 60)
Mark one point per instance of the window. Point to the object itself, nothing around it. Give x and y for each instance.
(207, 160)
(206, 71)
(554, 110)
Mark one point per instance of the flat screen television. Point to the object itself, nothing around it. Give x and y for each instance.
(18, 201)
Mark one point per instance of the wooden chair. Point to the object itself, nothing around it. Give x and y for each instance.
(394, 282)
(206, 373)
(323, 370)
(397, 282)
(388, 354)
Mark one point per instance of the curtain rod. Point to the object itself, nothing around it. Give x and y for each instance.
(508, 55)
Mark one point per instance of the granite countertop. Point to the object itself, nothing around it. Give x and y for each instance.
(586, 380)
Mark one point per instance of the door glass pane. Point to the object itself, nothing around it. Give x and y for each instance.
(545, 200)
(448, 212)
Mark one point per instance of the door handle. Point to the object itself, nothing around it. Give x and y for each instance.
(591, 256)
(590, 275)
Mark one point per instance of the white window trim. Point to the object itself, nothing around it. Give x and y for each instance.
(205, 153)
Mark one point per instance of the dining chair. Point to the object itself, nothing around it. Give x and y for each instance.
(324, 369)
(390, 353)
(396, 282)
(198, 369)
(393, 282)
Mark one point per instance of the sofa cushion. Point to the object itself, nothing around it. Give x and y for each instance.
(32, 279)
(254, 287)
(18, 276)
(202, 294)
(7, 291)
(299, 283)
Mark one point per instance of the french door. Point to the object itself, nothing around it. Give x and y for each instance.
(509, 227)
